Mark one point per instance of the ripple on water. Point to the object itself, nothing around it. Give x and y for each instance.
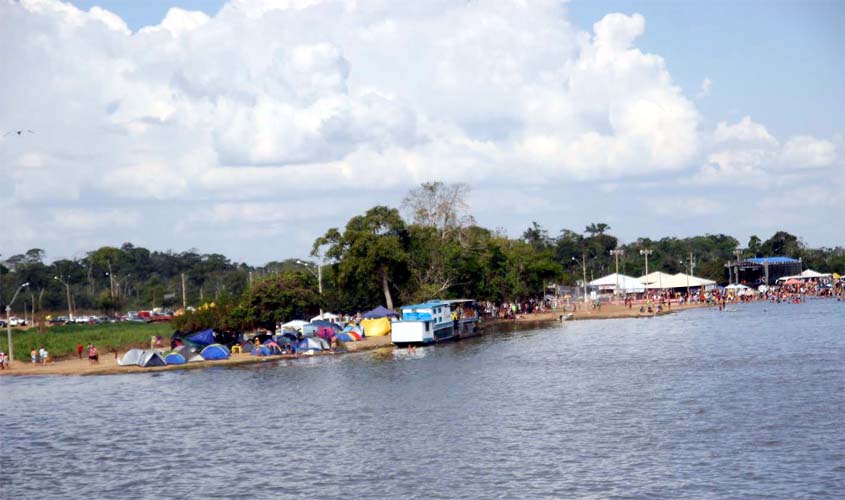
(694, 405)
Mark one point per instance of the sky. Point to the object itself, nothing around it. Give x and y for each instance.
(250, 127)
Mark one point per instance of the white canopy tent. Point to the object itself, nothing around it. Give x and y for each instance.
(809, 273)
(327, 317)
(658, 281)
(627, 284)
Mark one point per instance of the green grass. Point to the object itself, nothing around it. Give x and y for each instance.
(61, 341)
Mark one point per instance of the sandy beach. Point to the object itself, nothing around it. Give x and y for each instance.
(108, 364)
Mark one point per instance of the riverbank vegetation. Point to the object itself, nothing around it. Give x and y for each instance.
(62, 340)
(429, 247)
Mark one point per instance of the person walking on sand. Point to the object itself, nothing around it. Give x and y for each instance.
(79, 349)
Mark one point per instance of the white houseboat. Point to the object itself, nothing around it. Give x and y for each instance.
(435, 321)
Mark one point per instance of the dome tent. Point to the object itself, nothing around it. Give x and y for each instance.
(215, 352)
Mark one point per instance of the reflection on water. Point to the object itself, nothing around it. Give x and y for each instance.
(698, 405)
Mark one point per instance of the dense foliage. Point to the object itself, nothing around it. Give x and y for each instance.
(379, 257)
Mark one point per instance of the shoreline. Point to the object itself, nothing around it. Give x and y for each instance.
(108, 364)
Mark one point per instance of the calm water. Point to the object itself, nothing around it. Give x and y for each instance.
(745, 404)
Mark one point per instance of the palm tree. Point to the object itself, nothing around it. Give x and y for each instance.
(597, 228)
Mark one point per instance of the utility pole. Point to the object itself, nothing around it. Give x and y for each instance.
(738, 254)
(645, 252)
(584, 269)
(184, 295)
(61, 280)
(616, 253)
(9, 321)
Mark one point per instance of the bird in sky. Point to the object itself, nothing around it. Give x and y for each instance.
(19, 132)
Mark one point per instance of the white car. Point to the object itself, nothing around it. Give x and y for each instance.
(15, 321)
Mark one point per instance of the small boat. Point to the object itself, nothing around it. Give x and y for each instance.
(436, 321)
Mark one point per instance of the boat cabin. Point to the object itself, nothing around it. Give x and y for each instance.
(434, 321)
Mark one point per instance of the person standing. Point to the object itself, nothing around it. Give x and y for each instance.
(4, 361)
(42, 354)
(79, 349)
(93, 357)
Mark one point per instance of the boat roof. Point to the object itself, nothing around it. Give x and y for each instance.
(436, 302)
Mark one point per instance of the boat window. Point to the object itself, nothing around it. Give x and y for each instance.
(427, 325)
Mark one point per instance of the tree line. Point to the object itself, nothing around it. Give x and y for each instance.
(429, 247)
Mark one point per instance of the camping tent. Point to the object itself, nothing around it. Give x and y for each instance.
(174, 358)
(151, 358)
(326, 317)
(309, 329)
(376, 327)
(627, 284)
(380, 312)
(260, 351)
(349, 336)
(132, 357)
(215, 352)
(325, 332)
(273, 348)
(190, 355)
(312, 344)
(203, 338)
(295, 324)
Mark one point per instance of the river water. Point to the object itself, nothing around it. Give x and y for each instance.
(702, 404)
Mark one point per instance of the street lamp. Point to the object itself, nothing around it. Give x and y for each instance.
(645, 252)
(67, 291)
(584, 270)
(318, 275)
(616, 253)
(9, 321)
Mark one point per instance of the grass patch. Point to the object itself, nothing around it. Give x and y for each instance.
(61, 341)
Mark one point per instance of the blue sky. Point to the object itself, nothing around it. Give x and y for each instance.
(249, 127)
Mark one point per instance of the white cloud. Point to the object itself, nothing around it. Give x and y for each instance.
(274, 99)
(746, 154)
(746, 131)
(805, 151)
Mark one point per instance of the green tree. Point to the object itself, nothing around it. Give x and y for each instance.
(279, 298)
(370, 254)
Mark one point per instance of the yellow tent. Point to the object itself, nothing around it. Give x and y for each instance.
(376, 327)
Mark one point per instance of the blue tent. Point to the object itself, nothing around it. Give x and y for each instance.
(322, 322)
(203, 338)
(174, 358)
(380, 312)
(261, 351)
(312, 344)
(215, 352)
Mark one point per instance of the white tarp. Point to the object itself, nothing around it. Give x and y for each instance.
(627, 284)
(295, 324)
